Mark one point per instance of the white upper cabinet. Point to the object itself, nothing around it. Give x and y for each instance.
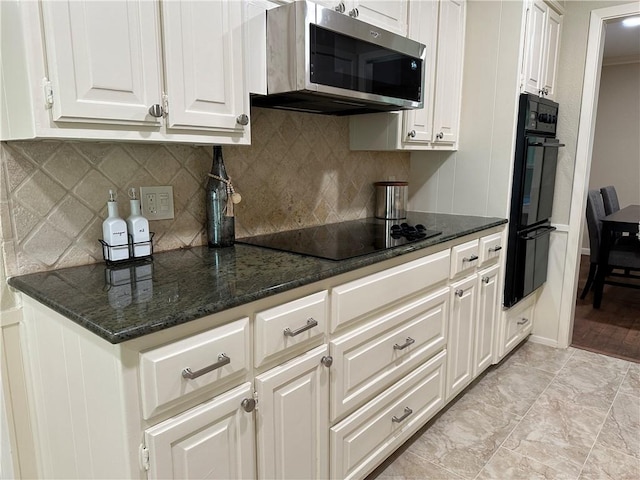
(128, 70)
(542, 46)
(388, 14)
(103, 60)
(439, 25)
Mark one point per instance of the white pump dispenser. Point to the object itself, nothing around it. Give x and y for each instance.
(138, 227)
(114, 233)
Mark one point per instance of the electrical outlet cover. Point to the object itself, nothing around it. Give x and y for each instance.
(157, 202)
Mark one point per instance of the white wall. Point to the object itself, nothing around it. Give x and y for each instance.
(476, 180)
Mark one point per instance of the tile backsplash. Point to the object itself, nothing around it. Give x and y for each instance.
(297, 172)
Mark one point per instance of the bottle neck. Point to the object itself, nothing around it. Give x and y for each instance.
(112, 208)
(135, 207)
(217, 167)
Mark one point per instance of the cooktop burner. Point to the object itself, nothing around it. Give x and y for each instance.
(338, 241)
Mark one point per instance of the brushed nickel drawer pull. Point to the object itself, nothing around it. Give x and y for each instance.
(497, 248)
(223, 359)
(407, 412)
(410, 341)
(522, 321)
(472, 258)
(292, 333)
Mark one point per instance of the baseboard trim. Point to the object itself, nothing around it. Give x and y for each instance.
(543, 341)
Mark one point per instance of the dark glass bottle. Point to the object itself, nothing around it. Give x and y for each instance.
(220, 219)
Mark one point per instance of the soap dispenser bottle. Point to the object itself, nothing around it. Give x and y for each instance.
(114, 233)
(138, 228)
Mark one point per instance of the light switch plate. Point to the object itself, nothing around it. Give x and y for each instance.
(157, 202)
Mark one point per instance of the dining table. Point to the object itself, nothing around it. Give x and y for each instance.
(627, 220)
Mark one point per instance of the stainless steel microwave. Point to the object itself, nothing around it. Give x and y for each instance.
(323, 61)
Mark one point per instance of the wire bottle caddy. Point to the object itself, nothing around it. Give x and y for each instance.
(131, 248)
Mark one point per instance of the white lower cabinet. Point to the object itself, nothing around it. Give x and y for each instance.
(365, 438)
(293, 418)
(460, 336)
(517, 323)
(213, 440)
(488, 282)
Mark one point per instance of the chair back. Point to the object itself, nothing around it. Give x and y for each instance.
(610, 199)
(595, 213)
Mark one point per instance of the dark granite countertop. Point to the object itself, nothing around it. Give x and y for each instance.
(123, 303)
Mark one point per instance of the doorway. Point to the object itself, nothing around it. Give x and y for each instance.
(584, 150)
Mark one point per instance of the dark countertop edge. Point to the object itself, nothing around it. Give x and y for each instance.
(341, 266)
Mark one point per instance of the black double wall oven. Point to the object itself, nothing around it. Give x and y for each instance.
(534, 178)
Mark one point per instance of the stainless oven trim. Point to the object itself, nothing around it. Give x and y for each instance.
(289, 72)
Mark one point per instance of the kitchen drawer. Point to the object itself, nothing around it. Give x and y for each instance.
(290, 329)
(464, 257)
(374, 356)
(518, 324)
(364, 439)
(490, 248)
(162, 370)
(355, 299)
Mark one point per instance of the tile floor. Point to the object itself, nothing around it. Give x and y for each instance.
(543, 413)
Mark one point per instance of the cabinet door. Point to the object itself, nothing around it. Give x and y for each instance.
(486, 321)
(293, 419)
(103, 60)
(552, 50)
(204, 65)
(460, 339)
(449, 74)
(534, 47)
(213, 440)
(423, 27)
(390, 14)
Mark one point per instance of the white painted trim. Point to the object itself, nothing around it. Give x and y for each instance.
(560, 227)
(584, 147)
(11, 317)
(543, 341)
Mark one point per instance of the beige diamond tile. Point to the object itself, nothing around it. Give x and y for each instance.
(24, 221)
(162, 166)
(184, 188)
(38, 151)
(95, 153)
(39, 194)
(6, 230)
(143, 152)
(46, 245)
(66, 166)
(93, 190)
(17, 167)
(118, 166)
(71, 216)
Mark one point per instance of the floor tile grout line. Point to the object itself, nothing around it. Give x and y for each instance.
(522, 417)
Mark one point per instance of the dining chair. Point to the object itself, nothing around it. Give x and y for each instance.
(610, 199)
(621, 257)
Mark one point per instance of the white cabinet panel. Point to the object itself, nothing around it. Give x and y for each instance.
(213, 440)
(203, 62)
(366, 437)
(488, 298)
(103, 60)
(293, 419)
(461, 335)
(285, 328)
(161, 370)
(369, 359)
(552, 45)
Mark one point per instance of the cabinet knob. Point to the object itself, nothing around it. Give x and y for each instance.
(340, 8)
(459, 293)
(248, 404)
(485, 280)
(156, 110)
(354, 13)
(440, 136)
(242, 119)
(412, 134)
(327, 360)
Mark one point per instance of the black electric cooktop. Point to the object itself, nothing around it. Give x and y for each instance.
(339, 241)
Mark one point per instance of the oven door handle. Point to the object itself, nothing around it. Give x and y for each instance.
(545, 144)
(539, 233)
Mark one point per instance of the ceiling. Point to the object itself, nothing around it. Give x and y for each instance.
(621, 41)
